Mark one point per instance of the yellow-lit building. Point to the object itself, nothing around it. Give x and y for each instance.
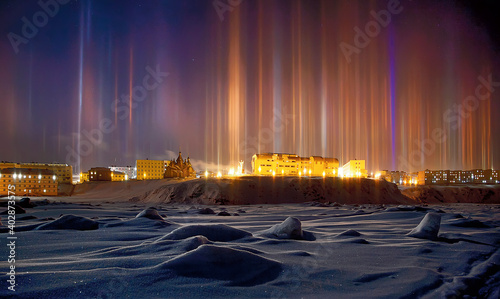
(63, 172)
(84, 177)
(151, 169)
(290, 164)
(117, 176)
(354, 168)
(28, 182)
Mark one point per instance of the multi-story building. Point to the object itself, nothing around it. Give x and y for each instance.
(106, 174)
(397, 177)
(130, 171)
(151, 169)
(445, 177)
(64, 172)
(354, 168)
(28, 182)
(117, 176)
(290, 164)
(84, 177)
(99, 174)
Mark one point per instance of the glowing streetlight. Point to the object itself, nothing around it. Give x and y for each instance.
(300, 173)
(274, 173)
(206, 173)
(324, 174)
(309, 172)
(219, 174)
(282, 172)
(260, 169)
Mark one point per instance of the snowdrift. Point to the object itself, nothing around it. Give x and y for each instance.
(245, 190)
(106, 251)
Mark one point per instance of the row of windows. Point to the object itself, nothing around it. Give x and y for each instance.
(23, 181)
(34, 186)
(29, 191)
(29, 176)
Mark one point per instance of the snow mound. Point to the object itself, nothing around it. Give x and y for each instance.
(404, 208)
(206, 211)
(468, 223)
(193, 243)
(239, 268)
(150, 213)
(349, 233)
(291, 228)
(70, 222)
(26, 203)
(428, 227)
(214, 232)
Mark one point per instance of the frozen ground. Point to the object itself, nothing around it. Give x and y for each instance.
(72, 250)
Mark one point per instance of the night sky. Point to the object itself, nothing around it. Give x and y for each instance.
(226, 79)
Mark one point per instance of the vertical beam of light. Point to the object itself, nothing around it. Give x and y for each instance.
(278, 123)
(236, 88)
(80, 92)
(392, 83)
(130, 82)
(324, 83)
(260, 62)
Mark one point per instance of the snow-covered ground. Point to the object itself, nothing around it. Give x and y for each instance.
(311, 250)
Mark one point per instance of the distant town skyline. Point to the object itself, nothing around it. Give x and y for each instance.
(404, 85)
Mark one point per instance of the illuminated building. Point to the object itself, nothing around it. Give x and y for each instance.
(130, 171)
(151, 169)
(446, 177)
(179, 168)
(117, 176)
(290, 164)
(106, 174)
(354, 168)
(397, 177)
(63, 172)
(27, 181)
(84, 177)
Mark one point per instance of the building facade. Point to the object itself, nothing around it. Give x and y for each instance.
(293, 165)
(99, 174)
(354, 168)
(179, 168)
(151, 169)
(446, 177)
(28, 182)
(130, 171)
(63, 172)
(106, 174)
(84, 177)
